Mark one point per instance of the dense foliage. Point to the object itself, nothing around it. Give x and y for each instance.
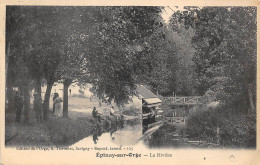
(235, 128)
(225, 66)
(225, 57)
(119, 52)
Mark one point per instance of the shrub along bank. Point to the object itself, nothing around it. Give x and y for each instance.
(228, 125)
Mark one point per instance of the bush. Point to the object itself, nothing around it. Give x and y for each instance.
(236, 129)
(132, 111)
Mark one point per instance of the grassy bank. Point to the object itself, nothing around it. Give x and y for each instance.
(57, 130)
(66, 131)
(54, 132)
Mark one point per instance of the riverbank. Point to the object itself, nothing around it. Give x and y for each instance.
(57, 131)
(54, 132)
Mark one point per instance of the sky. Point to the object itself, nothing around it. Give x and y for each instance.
(169, 10)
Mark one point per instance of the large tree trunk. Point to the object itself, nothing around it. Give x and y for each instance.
(7, 58)
(9, 80)
(8, 87)
(9, 93)
(46, 101)
(26, 94)
(66, 84)
(38, 86)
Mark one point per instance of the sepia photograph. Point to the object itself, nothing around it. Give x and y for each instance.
(107, 79)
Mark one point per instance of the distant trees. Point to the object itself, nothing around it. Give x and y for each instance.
(173, 68)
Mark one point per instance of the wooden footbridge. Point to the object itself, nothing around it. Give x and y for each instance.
(153, 116)
(188, 100)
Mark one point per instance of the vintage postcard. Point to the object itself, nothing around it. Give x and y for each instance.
(120, 82)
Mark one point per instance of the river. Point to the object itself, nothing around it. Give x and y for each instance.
(131, 135)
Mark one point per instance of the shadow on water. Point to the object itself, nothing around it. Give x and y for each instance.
(170, 136)
(166, 137)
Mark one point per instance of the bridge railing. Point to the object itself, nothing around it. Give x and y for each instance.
(183, 100)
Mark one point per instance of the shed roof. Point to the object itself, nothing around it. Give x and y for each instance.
(153, 100)
(144, 92)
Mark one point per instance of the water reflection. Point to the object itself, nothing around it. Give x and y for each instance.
(135, 132)
(99, 131)
(114, 129)
(120, 134)
(96, 134)
(166, 141)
